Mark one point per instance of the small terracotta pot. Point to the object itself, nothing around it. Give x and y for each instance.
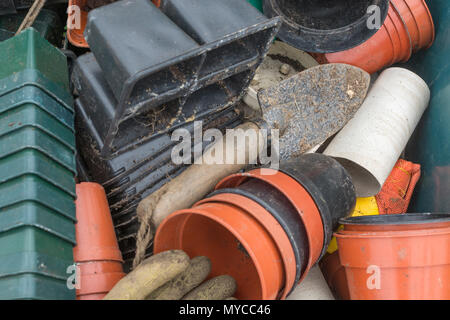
(418, 20)
(271, 225)
(299, 198)
(236, 243)
(401, 257)
(94, 231)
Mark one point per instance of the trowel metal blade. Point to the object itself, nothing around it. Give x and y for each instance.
(313, 105)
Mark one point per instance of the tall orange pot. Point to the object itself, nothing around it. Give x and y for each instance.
(395, 257)
(97, 253)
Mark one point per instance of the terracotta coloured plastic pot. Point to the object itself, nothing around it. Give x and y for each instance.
(334, 274)
(272, 226)
(97, 278)
(280, 208)
(418, 20)
(236, 243)
(383, 49)
(77, 17)
(94, 231)
(396, 256)
(299, 198)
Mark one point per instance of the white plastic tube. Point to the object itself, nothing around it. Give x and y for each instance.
(371, 143)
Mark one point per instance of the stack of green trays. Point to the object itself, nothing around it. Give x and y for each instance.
(37, 170)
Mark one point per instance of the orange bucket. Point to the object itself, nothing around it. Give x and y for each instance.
(236, 243)
(396, 257)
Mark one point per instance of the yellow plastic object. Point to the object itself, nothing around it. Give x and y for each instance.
(364, 207)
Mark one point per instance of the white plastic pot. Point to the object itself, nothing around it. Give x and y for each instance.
(371, 143)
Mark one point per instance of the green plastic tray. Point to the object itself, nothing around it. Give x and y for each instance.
(34, 287)
(29, 213)
(47, 23)
(38, 97)
(34, 138)
(30, 239)
(29, 59)
(31, 161)
(27, 115)
(34, 262)
(33, 188)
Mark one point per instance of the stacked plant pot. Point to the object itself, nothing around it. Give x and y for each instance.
(97, 253)
(408, 28)
(37, 169)
(134, 91)
(266, 228)
(396, 257)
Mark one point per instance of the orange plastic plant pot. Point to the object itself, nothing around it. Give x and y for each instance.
(98, 283)
(418, 20)
(77, 17)
(401, 264)
(334, 274)
(95, 296)
(299, 198)
(271, 225)
(94, 230)
(236, 243)
(76, 22)
(403, 36)
(381, 50)
(99, 267)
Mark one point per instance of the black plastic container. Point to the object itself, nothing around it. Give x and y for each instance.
(169, 63)
(326, 25)
(330, 186)
(283, 211)
(398, 219)
(97, 104)
(131, 176)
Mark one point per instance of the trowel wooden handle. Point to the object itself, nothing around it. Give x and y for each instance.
(195, 182)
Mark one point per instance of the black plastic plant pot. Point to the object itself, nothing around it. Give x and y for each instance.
(283, 211)
(398, 219)
(330, 186)
(327, 25)
(199, 66)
